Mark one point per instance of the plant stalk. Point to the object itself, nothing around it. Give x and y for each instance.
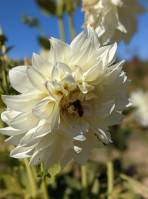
(31, 178)
(61, 28)
(45, 192)
(71, 25)
(84, 181)
(5, 59)
(3, 47)
(110, 179)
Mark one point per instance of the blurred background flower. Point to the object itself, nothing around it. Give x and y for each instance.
(140, 102)
(112, 19)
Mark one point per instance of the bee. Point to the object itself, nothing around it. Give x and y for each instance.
(78, 107)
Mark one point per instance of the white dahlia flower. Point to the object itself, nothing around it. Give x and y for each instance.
(140, 101)
(113, 20)
(67, 101)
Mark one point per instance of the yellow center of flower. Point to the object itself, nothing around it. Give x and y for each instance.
(76, 107)
(72, 103)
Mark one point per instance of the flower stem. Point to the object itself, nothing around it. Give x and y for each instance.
(5, 59)
(61, 28)
(84, 181)
(110, 178)
(72, 28)
(45, 192)
(3, 47)
(31, 178)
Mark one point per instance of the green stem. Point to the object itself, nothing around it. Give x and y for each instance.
(72, 28)
(5, 83)
(84, 181)
(34, 173)
(3, 47)
(5, 59)
(45, 192)
(61, 28)
(110, 177)
(31, 178)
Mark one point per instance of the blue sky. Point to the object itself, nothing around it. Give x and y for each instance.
(24, 39)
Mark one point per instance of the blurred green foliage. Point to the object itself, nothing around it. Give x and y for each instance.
(58, 7)
(31, 21)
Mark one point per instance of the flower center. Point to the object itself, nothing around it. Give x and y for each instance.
(73, 108)
(77, 107)
(72, 104)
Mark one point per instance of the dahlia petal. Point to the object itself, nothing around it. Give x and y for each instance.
(66, 158)
(43, 130)
(112, 53)
(114, 74)
(79, 137)
(101, 132)
(95, 74)
(28, 139)
(89, 54)
(22, 103)
(44, 108)
(24, 121)
(55, 121)
(21, 152)
(8, 115)
(109, 56)
(77, 149)
(19, 79)
(114, 119)
(106, 109)
(59, 71)
(73, 127)
(105, 135)
(90, 143)
(46, 142)
(65, 141)
(54, 157)
(69, 82)
(14, 140)
(42, 65)
(38, 157)
(59, 51)
(37, 79)
(80, 41)
(41, 155)
(11, 131)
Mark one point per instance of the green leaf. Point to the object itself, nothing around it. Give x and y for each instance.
(72, 5)
(95, 188)
(53, 171)
(12, 184)
(47, 6)
(73, 183)
(135, 183)
(30, 21)
(43, 174)
(24, 180)
(44, 42)
(3, 39)
(8, 49)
